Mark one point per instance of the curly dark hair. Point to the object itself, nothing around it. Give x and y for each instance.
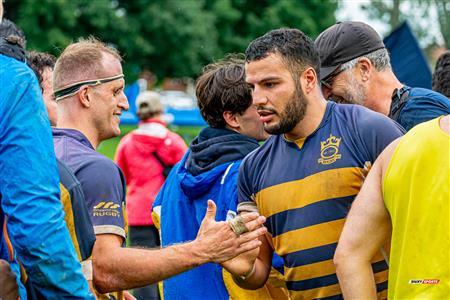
(38, 61)
(222, 87)
(441, 76)
(296, 49)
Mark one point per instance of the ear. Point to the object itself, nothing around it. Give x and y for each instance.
(308, 80)
(364, 68)
(231, 119)
(83, 97)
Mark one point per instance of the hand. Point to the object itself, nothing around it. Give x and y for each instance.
(242, 264)
(219, 243)
(8, 285)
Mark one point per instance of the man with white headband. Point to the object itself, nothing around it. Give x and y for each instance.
(88, 84)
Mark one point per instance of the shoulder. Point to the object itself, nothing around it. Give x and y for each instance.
(421, 98)
(99, 168)
(260, 153)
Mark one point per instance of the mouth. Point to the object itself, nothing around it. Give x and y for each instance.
(266, 114)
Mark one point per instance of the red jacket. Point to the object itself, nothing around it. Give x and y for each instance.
(143, 172)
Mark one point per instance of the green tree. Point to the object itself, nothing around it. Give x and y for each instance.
(173, 38)
(393, 12)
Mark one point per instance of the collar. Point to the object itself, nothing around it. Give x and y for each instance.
(73, 134)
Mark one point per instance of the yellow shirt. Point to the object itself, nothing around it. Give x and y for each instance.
(416, 194)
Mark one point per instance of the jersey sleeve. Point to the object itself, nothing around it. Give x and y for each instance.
(104, 191)
(377, 132)
(29, 188)
(245, 192)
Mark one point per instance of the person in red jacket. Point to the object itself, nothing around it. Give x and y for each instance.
(142, 155)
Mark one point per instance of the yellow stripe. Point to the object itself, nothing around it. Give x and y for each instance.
(381, 276)
(308, 237)
(68, 217)
(319, 269)
(324, 185)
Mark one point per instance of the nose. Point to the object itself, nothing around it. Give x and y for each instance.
(258, 97)
(123, 102)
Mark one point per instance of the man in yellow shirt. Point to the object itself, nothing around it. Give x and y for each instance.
(405, 195)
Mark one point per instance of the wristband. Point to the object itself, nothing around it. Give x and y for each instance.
(246, 276)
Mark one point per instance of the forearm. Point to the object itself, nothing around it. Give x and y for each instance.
(356, 278)
(127, 268)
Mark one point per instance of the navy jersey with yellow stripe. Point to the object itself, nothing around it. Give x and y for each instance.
(305, 189)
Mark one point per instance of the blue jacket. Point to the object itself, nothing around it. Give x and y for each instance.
(29, 190)
(421, 105)
(215, 157)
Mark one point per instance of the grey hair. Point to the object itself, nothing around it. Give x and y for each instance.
(379, 58)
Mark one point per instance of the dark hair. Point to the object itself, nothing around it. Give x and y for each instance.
(222, 87)
(441, 76)
(9, 28)
(38, 61)
(296, 49)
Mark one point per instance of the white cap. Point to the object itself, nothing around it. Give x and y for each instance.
(152, 101)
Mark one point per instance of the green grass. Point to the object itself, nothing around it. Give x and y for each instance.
(109, 147)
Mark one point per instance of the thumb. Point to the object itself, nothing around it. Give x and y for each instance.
(211, 211)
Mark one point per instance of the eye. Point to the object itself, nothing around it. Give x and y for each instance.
(269, 84)
(118, 91)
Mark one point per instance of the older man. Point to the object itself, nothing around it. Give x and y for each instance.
(356, 69)
(88, 83)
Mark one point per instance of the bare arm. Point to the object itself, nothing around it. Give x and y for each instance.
(368, 225)
(116, 268)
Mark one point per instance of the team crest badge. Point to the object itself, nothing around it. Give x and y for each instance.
(329, 150)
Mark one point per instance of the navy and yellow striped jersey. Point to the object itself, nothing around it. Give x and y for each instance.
(305, 189)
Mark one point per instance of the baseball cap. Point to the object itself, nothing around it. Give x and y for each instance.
(343, 42)
(152, 101)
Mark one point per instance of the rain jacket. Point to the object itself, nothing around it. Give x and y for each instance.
(31, 215)
(208, 170)
(143, 172)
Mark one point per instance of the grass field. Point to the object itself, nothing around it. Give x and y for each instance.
(108, 147)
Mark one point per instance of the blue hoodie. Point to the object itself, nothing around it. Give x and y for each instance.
(214, 157)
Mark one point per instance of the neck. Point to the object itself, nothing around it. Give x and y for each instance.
(314, 114)
(379, 93)
(81, 124)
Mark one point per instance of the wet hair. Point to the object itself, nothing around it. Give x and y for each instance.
(9, 28)
(296, 49)
(222, 87)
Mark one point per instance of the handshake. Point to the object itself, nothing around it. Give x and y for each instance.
(223, 241)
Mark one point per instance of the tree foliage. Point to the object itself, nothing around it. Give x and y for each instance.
(418, 15)
(173, 38)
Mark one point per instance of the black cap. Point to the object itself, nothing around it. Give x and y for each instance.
(343, 42)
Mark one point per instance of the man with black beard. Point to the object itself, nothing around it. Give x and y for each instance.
(306, 176)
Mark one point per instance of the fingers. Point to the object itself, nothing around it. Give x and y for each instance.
(247, 246)
(252, 235)
(211, 210)
(255, 223)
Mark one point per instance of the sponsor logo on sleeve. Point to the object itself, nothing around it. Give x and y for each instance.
(106, 209)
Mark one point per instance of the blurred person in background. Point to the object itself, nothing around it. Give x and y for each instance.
(209, 170)
(145, 156)
(355, 68)
(42, 65)
(31, 216)
(441, 75)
